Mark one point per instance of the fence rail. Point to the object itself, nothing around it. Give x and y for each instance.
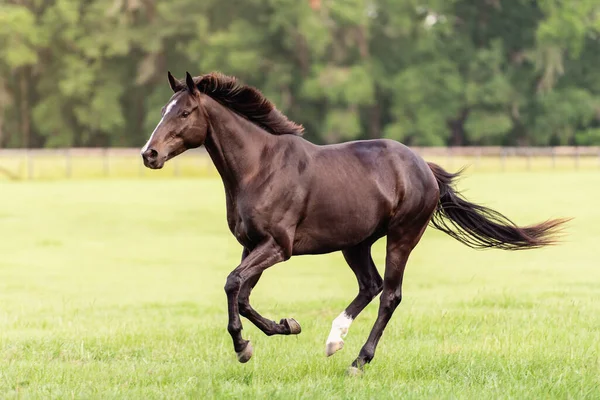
(126, 162)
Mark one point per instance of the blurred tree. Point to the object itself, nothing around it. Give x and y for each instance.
(426, 72)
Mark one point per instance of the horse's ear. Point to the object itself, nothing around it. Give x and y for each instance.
(174, 83)
(189, 81)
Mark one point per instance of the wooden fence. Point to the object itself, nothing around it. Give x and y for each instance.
(18, 164)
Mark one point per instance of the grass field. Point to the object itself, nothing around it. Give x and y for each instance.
(114, 289)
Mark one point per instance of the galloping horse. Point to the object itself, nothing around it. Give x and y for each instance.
(286, 196)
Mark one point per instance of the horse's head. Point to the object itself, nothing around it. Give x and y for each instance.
(183, 125)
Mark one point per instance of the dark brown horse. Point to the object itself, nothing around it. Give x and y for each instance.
(286, 196)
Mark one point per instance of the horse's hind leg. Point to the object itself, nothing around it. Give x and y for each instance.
(400, 243)
(369, 285)
(396, 258)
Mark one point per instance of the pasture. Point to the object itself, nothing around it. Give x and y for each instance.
(113, 288)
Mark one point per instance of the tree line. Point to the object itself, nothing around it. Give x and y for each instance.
(424, 72)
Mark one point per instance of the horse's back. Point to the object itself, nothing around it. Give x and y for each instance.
(354, 189)
(387, 161)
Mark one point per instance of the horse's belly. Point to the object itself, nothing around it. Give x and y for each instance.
(333, 226)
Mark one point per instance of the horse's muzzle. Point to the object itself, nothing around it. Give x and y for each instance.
(152, 159)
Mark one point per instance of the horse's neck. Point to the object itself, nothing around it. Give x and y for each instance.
(234, 144)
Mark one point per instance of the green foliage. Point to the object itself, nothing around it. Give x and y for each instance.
(487, 126)
(440, 72)
(342, 125)
(18, 33)
(563, 113)
(588, 137)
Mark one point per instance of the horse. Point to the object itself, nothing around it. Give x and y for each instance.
(286, 196)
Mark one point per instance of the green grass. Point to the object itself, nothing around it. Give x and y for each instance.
(114, 289)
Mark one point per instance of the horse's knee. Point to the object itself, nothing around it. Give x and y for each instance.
(233, 283)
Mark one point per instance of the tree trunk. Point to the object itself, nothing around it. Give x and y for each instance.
(374, 130)
(1, 130)
(302, 54)
(457, 128)
(363, 43)
(24, 107)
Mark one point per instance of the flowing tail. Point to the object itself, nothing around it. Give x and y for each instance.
(480, 227)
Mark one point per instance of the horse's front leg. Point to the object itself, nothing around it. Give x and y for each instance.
(286, 326)
(265, 255)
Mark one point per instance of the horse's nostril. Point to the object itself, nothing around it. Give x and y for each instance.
(150, 154)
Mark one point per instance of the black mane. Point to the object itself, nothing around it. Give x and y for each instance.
(247, 101)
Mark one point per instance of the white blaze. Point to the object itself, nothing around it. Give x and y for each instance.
(167, 110)
(339, 329)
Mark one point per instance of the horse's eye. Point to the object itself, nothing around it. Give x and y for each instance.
(185, 114)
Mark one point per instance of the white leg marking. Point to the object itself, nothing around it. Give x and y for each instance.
(339, 329)
(167, 110)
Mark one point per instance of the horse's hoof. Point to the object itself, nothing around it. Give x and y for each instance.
(292, 325)
(353, 371)
(245, 355)
(332, 347)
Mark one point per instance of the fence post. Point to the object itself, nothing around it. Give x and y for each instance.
(30, 165)
(68, 166)
(503, 159)
(106, 162)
